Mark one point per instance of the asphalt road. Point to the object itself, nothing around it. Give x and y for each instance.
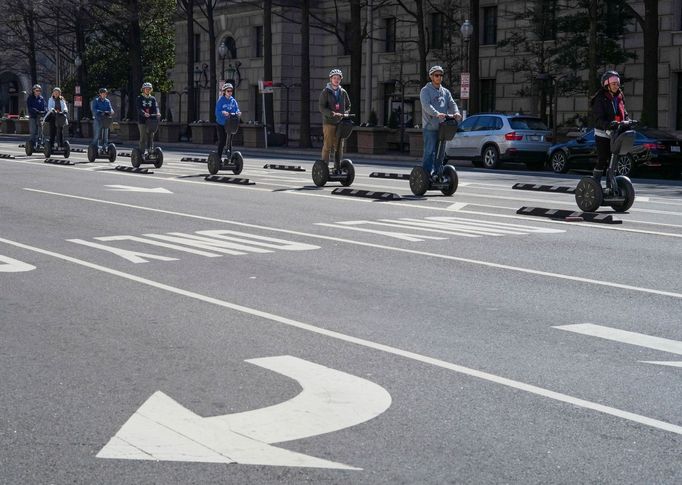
(160, 328)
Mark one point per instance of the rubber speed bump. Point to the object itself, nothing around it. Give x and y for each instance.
(366, 193)
(229, 180)
(384, 175)
(78, 150)
(59, 161)
(292, 168)
(124, 154)
(192, 159)
(7, 155)
(545, 188)
(567, 215)
(122, 168)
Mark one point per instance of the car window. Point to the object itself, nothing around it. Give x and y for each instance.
(468, 123)
(654, 133)
(498, 124)
(485, 123)
(527, 124)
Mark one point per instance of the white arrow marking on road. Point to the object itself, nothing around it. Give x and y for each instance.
(129, 188)
(671, 363)
(623, 336)
(11, 265)
(457, 206)
(162, 429)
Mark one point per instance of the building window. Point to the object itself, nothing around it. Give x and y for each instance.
(197, 47)
(258, 32)
(487, 95)
(489, 36)
(389, 26)
(436, 30)
(347, 39)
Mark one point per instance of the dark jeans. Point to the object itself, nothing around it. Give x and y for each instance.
(603, 152)
(145, 140)
(222, 139)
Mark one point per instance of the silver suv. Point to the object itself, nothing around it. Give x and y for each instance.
(490, 139)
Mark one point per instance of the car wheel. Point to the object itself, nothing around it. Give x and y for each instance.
(559, 162)
(625, 165)
(491, 157)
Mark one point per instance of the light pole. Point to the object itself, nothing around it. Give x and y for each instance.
(287, 87)
(233, 75)
(222, 52)
(467, 29)
(399, 84)
(199, 72)
(78, 63)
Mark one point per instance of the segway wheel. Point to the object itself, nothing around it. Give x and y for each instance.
(67, 149)
(135, 157)
(450, 174)
(588, 194)
(626, 190)
(158, 153)
(347, 166)
(28, 147)
(320, 173)
(213, 163)
(92, 153)
(111, 152)
(238, 161)
(419, 181)
(47, 149)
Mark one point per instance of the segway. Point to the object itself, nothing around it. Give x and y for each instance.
(152, 154)
(62, 147)
(39, 145)
(232, 160)
(446, 179)
(102, 150)
(618, 192)
(342, 171)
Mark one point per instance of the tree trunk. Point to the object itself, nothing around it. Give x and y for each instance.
(29, 22)
(592, 49)
(267, 61)
(83, 70)
(421, 36)
(650, 27)
(356, 58)
(134, 55)
(191, 115)
(474, 79)
(304, 141)
(212, 63)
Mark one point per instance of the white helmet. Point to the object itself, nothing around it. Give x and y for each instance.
(227, 86)
(57, 89)
(436, 69)
(336, 72)
(147, 85)
(36, 86)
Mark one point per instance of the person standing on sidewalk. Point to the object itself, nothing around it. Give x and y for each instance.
(334, 104)
(37, 107)
(437, 103)
(225, 107)
(101, 106)
(146, 107)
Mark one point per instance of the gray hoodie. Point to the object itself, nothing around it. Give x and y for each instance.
(435, 101)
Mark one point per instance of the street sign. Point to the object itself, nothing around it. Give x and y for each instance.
(78, 89)
(330, 400)
(265, 87)
(464, 85)
(78, 101)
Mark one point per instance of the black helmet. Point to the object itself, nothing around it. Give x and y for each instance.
(607, 77)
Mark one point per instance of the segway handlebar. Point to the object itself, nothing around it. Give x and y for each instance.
(619, 125)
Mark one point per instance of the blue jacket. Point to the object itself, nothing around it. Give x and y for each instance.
(224, 104)
(435, 101)
(35, 105)
(100, 105)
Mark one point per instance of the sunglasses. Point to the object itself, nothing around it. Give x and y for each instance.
(437, 75)
(228, 90)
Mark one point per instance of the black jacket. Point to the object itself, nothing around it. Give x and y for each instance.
(603, 111)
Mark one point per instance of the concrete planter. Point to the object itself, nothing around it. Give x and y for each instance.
(203, 133)
(128, 130)
(86, 128)
(253, 135)
(7, 126)
(169, 132)
(372, 140)
(21, 127)
(416, 140)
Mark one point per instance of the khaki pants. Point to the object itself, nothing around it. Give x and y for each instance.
(331, 143)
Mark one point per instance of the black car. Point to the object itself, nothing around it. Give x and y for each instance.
(653, 149)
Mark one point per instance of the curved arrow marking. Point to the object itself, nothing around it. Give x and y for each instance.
(162, 429)
(11, 265)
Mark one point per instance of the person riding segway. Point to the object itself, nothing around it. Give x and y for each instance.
(37, 107)
(102, 111)
(336, 128)
(440, 117)
(148, 124)
(614, 138)
(57, 120)
(227, 120)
